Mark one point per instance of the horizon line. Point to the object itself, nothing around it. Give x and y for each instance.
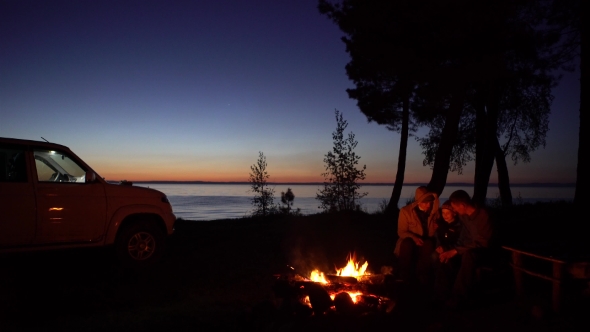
(450, 184)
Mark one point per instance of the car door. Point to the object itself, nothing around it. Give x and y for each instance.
(17, 197)
(69, 208)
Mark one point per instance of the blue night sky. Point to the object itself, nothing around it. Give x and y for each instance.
(193, 90)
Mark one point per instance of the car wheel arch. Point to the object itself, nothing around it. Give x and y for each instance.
(127, 215)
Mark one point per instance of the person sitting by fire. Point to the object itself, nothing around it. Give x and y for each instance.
(447, 233)
(448, 228)
(415, 244)
(454, 282)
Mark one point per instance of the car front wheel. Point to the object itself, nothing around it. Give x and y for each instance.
(140, 244)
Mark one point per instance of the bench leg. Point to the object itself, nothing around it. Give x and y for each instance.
(518, 274)
(558, 274)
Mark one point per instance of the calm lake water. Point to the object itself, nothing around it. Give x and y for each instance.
(227, 201)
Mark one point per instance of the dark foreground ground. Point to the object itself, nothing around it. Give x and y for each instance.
(219, 275)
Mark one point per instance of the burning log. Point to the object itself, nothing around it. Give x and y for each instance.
(319, 298)
(344, 304)
(368, 301)
(346, 280)
(351, 290)
(292, 297)
(376, 279)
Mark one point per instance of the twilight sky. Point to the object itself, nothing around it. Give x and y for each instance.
(193, 90)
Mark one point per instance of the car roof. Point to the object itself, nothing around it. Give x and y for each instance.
(18, 141)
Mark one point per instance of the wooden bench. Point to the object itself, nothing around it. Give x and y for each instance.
(561, 272)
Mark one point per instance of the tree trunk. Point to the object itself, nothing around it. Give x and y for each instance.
(480, 134)
(440, 169)
(392, 207)
(503, 178)
(582, 168)
(485, 162)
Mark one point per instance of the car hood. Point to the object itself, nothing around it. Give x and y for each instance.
(126, 190)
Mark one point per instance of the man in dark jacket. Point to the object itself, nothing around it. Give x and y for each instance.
(471, 247)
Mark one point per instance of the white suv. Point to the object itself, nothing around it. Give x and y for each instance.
(51, 199)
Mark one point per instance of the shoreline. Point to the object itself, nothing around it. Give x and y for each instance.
(454, 184)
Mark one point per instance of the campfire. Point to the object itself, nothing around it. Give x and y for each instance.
(348, 290)
(351, 269)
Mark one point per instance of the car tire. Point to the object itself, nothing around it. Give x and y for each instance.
(140, 244)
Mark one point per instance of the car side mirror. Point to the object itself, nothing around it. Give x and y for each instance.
(90, 176)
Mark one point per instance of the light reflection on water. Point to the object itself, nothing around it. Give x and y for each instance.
(227, 201)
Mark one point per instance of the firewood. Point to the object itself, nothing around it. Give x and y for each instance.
(342, 279)
(343, 303)
(318, 297)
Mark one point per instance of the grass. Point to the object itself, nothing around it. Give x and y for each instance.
(217, 275)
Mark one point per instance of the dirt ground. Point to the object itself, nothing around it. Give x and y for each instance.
(219, 276)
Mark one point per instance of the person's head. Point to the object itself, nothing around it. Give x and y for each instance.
(424, 198)
(461, 202)
(447, 212)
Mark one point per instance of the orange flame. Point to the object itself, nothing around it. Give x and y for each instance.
(317, 276)
(352, 269)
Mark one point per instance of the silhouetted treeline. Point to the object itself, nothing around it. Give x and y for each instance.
(478, 74)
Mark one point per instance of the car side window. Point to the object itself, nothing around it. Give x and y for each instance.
(56, 166)
(13, 167)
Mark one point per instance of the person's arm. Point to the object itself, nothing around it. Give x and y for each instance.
(463, 241)
(403, 226)
(475, 235)
(484, 230)
(454, 232)
(445, 256)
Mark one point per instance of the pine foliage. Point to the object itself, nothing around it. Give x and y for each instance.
(263, 200)
(341, 179)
